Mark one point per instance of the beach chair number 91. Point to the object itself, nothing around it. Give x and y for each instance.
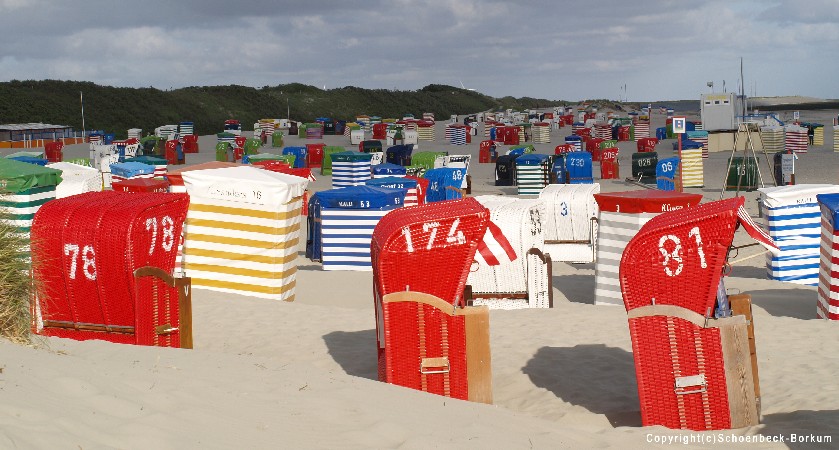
(675, 255)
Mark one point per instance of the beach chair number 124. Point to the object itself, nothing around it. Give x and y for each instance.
(675, 255)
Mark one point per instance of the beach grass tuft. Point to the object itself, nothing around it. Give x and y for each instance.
(16, 285)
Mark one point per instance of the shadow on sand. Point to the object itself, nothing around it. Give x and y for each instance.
(576, 288)
(594, 376)
(798, 304)
(354, 351)
(804, 425)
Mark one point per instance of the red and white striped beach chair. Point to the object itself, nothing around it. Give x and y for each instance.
(694, 371)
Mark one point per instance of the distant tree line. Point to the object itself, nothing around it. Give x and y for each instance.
(115, 109)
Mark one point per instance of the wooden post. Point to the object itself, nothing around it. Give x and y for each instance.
(741, 304)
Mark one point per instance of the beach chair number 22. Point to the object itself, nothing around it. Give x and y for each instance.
(675, 255)
(454, 236)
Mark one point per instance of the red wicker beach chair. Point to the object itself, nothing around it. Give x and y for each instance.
(694, 370)
(104, 261)
(427, 339)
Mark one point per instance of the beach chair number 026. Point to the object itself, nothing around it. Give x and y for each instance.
(454, 236)
(675, 255)
(88, 255)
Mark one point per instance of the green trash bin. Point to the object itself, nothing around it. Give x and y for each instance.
(643, 167)
(301, 130)
(426, 159)
(326, 164)
(742, 174)
(277, 139)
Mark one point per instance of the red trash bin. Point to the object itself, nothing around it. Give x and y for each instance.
(53, 151)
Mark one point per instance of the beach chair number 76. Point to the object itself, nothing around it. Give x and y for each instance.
(676, 254)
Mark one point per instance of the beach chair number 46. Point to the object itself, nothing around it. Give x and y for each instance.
(669, 257)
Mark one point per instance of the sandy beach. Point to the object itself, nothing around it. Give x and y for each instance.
(268, 374)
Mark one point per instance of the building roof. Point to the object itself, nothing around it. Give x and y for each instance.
(30, 126)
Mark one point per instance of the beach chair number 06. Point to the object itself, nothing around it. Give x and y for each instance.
(667, 167)
(675, 255)
(88, 257)
(168, 238)
(454, 235)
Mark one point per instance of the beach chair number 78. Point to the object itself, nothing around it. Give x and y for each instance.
(675, 255)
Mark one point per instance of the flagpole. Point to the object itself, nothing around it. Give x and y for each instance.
(84, 131)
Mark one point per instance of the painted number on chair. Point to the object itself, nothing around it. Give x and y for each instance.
(453, 236)
(167, 226)
(563, 209)
(87, 256)
(674, 256)
(667, 167)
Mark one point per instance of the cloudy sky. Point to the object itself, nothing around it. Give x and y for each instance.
(569, 50)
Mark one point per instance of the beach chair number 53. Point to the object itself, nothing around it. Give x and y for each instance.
(454, 235)
(675, 255)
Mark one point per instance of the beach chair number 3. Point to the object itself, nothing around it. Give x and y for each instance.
(675, 255)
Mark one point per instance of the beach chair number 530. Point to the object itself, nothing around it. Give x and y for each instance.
(454, 235)
(676, 254)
